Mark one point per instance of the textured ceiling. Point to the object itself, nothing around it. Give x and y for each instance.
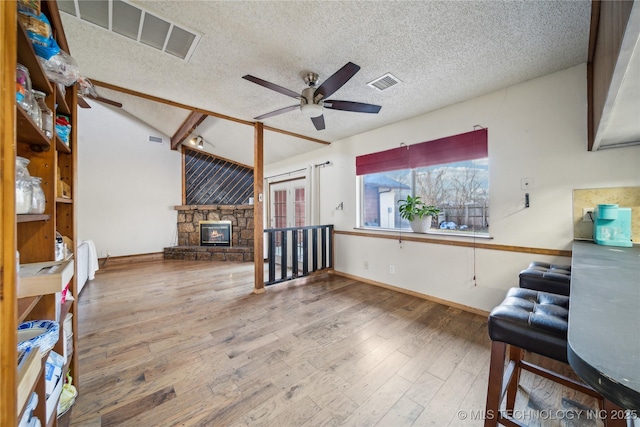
(443, 52)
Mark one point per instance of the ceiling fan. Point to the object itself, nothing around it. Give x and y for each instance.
(313, 100)
(88, 90)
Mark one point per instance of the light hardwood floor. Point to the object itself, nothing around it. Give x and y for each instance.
(180, 343)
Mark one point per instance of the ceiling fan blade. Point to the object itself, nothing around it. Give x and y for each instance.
(358, 107)
(107, 101)
(337, 80)
(318, 122)
(280, 111)
(82, 103)
(272, 86)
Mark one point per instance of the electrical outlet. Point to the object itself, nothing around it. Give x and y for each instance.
(366, 265)
(585, 214)
(392, 269)
(108, 253)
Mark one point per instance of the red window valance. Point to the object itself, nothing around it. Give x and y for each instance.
(456, 148)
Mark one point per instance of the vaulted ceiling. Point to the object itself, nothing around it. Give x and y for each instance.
(443, 52)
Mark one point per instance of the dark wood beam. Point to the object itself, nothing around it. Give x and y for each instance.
(609, 21)
(189, 125)
(284, 132)
(200, 110)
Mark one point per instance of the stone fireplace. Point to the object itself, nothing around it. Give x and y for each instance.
(191, 246)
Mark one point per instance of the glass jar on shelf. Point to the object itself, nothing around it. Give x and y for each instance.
(23, 87)
(23, 186)
(21, 167)
(38, 200)
(23, 195)
(34, 112)
(47, 114)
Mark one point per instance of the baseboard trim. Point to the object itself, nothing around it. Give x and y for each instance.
(414, 293)
(130, 259)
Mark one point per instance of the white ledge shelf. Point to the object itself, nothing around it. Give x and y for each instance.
(43, 278)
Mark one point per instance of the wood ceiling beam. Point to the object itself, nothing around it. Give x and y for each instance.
(285, 132)
(200, 110)
(189, 125)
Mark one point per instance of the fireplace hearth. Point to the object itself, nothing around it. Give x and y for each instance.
(215, 233)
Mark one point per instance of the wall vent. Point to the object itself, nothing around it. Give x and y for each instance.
(136, 23)
(384, 82)
(156, 139)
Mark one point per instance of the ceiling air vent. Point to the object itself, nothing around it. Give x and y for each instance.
(384, 82)
(156, 139)
(135, 23)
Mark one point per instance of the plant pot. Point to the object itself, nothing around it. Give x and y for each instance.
(421, 225)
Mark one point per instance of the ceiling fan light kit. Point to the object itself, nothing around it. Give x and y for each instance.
(313, 101)
(198, 141)
(311, 110)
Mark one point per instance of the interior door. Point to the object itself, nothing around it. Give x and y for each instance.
(287, 209)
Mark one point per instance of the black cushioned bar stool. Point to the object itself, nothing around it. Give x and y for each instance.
(533, 321)
(545, 277)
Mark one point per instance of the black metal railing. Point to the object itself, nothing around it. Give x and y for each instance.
(298, 251)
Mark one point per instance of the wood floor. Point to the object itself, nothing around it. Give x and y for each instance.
(181, 343)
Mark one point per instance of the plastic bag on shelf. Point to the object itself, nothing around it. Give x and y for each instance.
(61, 68)
(86, 88)
(68, 396)
(39, 32)
(37, 25)
(63, 128)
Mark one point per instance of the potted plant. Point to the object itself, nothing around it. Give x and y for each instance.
(418, 213)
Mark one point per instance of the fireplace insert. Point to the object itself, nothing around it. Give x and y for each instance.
(215, 233)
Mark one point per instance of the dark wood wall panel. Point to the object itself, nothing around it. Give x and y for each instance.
(213, 181)
(605, 42)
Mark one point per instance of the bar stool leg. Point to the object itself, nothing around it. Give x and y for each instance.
(515, 354)
(494, 389)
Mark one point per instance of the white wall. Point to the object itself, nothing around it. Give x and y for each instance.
(538, 130)
(127, 186)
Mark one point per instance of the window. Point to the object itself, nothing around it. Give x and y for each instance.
(451, 173)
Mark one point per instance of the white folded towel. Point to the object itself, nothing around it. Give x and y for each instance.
(93, 260)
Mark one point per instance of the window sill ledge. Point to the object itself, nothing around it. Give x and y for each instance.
(434, 233)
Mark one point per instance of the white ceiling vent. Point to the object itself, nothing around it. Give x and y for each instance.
(384, 82)
(136, 23)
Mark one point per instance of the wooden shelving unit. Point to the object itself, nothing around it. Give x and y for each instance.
(32, 217)
(33, 236)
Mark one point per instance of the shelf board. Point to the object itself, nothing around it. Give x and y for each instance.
(32, 217)
(64, 310)
(63, 200)
(41, 278)
(28, 132)
(27, 378)
(27, 57)
(63, 107)
(61, 146)
(25, 305)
